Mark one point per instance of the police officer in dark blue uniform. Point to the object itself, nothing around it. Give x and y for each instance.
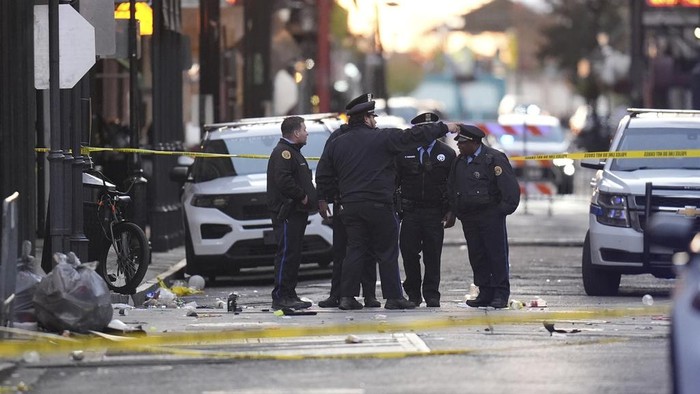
(340, 242)
(361, 161)
(483, 190)
(422, 181)
(290, 197)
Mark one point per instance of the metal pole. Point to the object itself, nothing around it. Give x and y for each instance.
(78, 241)
(56, 157)
(637, 55)
(136, 182)
(324, 57)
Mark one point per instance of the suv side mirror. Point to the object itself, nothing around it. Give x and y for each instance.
(179, 174)
(592, 163)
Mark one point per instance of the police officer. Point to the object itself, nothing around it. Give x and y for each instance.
(340, 238)
(422, 181)
(290, 197)
(361, 161)
(483, 191)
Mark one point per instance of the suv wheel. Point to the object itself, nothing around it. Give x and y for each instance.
(597, 282)
(191, 264)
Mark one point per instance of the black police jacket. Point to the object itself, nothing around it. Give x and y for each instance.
(489, 180)
(425, 184)
(361, 160)
(289, 178)
(328, 191)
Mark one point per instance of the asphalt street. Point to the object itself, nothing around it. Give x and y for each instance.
(575, 343)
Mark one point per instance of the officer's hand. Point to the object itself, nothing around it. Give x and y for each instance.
(323, 209)
(305, 200)
(449, 220)
(453, 127)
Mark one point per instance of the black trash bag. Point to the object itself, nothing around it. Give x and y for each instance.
(72, 297)
(29, 274)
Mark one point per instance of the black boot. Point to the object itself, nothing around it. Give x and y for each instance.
(349, 303)
(330, 302)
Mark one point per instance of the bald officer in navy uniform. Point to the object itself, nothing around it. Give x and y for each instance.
(361, 161)
(422, 181)
(483, 190)
(290, 197)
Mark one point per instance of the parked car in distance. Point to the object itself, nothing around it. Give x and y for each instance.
(227, 221)
(520, 134)
(627, 191)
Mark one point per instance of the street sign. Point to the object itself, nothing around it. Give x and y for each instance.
(76, 41)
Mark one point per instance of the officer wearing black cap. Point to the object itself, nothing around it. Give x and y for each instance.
(340, 237)
(422, 182)
(361, 163)
(290, 197)
(483, 190)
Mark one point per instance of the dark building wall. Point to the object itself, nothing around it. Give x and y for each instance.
(18, 111)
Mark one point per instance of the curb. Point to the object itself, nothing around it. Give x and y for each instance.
(139, 297)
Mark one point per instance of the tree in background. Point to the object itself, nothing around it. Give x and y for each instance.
(572, 37)
(580, 38)
(403, 74)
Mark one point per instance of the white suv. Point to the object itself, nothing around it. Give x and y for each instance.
(628, 191)
(227, 222)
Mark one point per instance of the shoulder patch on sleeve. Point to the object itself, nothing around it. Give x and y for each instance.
(497, 170)
(286, 155)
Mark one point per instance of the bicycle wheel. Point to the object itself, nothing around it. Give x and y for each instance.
(125, 261)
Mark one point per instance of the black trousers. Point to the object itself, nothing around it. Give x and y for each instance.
(487, 242)
(422, 230)
(373, 232)
(340, 244)
(290, 237)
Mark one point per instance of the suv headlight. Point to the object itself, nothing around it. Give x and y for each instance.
(210, 201)
(610, 209)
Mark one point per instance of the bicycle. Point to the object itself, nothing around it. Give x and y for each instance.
(124, 259)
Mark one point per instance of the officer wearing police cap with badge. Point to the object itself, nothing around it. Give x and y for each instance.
(483, 190)
(422, 182)
(290, 197)
(361, 163)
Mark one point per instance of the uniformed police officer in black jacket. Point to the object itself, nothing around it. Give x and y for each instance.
(290, 197)
(361, 161)
(340, 243)
(483, 191)
(422, 181)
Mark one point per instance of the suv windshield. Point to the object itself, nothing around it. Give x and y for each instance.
(636, 139)
(206, 169)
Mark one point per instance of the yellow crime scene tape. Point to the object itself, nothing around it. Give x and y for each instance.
(636, 154)
(43, 343)
(154, 343)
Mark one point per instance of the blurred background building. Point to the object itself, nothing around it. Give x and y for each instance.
(206, 61)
